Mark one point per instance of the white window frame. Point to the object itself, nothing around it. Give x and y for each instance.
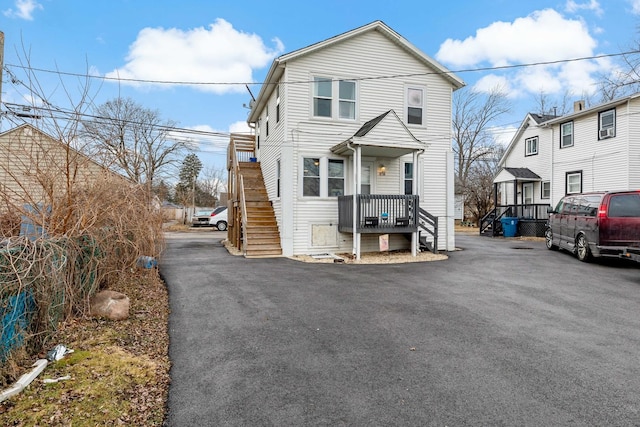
(278, 104)
(278, 172)
(335, 99)
(568, 185)
(323, 176)
(609, 130)
(563, 135)
(336, 177)
(408, 103)
(545, 193)
(531, 146)
(406, 179)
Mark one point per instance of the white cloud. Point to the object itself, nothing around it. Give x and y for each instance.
(542, 36)
(503, 134)
(491, 82)
(572, 7)
(635, 6)
(240, 127)
(24, 9)
(219, 54)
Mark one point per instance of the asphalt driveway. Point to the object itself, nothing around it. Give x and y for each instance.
(504, 332)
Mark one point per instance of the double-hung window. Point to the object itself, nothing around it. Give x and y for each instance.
(574, 182)
(278, 104)
(607, 124)
(327, 104)
(322, 97)
(323, 177)
(545, 190)
(311, 177)
(415, 97)
(336, 178)
(531, 146)
(566, 135)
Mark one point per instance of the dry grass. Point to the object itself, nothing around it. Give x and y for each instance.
(119, 370)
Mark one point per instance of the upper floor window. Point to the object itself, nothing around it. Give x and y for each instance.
(531, 146)
(278, 104)
(278, 178)
(607, 124)
(566, 135)
(415, 105)
(574, 182)
(325, 104)
(266, 121)
(322, 97)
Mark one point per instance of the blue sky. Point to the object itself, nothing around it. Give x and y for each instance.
(210, 41)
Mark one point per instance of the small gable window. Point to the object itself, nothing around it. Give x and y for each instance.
(531, 146)
(607, 124)
(415, 105)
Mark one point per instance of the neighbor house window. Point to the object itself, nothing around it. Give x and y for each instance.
(408, 178)
(347, 100)
(278, 104)
(531, 146)
(311, 177)
(415, 105)
(546, 190)
(336, 178)
(566, 135)
(607, 124)
(278, 178)
(574, 182)
(322, 97)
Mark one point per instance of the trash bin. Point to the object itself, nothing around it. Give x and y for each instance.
(509, 226)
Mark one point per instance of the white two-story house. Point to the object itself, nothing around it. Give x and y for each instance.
(590, 149)
(353, 142)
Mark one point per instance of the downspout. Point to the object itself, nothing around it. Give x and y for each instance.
(353, 219)
(416, 190)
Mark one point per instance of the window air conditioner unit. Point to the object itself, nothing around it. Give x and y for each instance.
(607, 133)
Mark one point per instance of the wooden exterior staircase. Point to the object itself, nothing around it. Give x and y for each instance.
(253, 228)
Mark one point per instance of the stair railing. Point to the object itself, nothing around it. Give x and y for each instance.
(429, 223)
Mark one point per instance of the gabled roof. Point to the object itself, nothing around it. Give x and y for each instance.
(594, 109)
(537, 118)
(517, 174)
(277, 67)
(381, 146)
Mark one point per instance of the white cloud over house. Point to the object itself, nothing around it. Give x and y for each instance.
(542, 37)
(217, 54)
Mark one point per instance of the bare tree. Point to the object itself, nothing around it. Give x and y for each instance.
(213, 182)
(474, 144)
(134, 140)
(624, 79)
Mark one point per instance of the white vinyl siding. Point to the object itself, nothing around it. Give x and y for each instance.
(303, 135)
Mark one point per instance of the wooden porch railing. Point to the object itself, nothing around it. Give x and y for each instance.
(378, 213)
(241, 149)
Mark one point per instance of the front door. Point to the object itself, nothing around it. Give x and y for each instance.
(366, 169)
(527, 200)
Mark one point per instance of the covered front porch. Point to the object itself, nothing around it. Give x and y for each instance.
(516, 200)
(364, 213)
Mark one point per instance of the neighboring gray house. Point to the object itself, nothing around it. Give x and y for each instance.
(353, 138)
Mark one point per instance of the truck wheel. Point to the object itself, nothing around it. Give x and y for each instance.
(548, 240)
(582, 248)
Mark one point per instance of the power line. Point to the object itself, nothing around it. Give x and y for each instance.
(391, 76)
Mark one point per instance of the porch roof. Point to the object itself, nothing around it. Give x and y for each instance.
(382, 136)
(516, 174)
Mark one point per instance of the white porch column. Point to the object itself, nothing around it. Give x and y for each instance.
(415, 190)
(357, 190)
